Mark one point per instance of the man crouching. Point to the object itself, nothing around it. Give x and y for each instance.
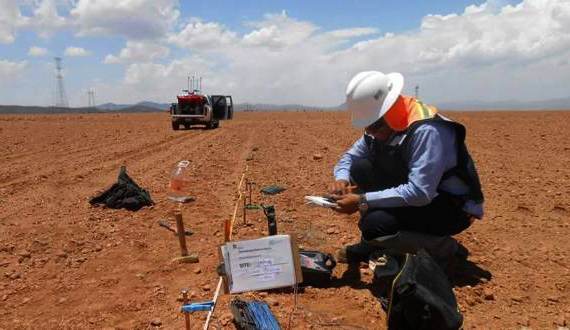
(410, 174)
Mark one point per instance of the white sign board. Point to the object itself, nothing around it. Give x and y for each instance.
(259, 264)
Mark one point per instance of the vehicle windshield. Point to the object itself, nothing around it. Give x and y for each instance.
(194, 106)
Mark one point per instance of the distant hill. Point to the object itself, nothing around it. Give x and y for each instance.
(149, 106)
(140, 108)
(552, 104)
(16, 109)
(112, 106)
(143, 104)
(284, 107)
(237, 107)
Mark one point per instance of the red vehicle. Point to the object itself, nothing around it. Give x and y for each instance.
(195, 108)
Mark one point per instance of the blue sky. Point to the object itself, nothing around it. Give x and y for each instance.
(282, 51)
(389, 16)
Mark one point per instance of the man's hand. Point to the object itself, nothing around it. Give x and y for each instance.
(347, 203)
(340, 188)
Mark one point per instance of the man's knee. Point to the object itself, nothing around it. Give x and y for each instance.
(361, 171)
(377, 223)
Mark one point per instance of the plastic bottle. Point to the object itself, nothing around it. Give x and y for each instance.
(180, 183)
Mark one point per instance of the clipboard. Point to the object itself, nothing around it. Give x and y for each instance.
(260, 264)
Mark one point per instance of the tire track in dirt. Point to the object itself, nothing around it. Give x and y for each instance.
(75, 137)
(198, 151)
(22, 186)
(18, 156)
(78, 153)
(89, 168)
(149, 157)
(15, 156)
(114, 159)
(222, 163)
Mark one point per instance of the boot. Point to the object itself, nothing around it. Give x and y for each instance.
(355, 253)
(439, 247)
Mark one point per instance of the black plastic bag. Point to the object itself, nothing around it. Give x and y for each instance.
(253, 315)
(385, 267)
(421, 297)
(123, 194)
(317, 268)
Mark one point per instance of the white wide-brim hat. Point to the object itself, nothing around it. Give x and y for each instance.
(370, 94)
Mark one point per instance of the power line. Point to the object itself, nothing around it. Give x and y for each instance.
(60, 97)
(91, 97)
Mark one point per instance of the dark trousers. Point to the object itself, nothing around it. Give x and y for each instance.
(444, 216)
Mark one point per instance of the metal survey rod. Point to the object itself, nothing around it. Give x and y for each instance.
(269, 211)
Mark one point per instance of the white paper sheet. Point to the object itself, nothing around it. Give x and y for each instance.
(321, 201)
(259, 264)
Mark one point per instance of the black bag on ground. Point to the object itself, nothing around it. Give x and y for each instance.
(421, 297)
(123, 194)
(253, 315)
(317, 268)
(385, 267)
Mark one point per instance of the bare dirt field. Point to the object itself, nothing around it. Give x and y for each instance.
(66, 264)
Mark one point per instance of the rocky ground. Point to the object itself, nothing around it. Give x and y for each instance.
(66, 264)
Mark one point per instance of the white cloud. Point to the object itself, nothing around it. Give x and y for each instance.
(37, 51)
(492, 51)
(277, 31)
(468, 55)
(138, 52)
(11, 70)
(10, 20)
(76, 51)
(483, 42)
(352, 33)
(46, 19)
(134, 19)
(203, 36)
(160, 82)
(137, 74)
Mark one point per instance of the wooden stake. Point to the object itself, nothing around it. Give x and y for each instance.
(186, 315)
(180, 233)
(244, 209)
(250, 189)
(227, 230)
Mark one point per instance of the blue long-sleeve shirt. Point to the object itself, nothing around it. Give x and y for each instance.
(429, 154)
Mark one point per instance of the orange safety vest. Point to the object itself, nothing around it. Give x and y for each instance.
(407, 110)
